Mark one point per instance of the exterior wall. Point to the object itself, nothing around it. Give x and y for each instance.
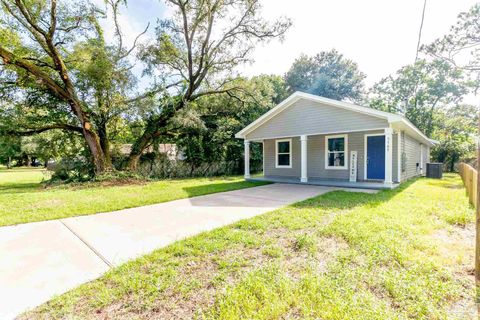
(426, 158)
(356, 142)
(311, 118)
(411, 147)
(316, 158)
(269, 160)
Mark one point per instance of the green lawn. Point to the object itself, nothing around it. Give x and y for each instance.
(406, 253)
(24, 199)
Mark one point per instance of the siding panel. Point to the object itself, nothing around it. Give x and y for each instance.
(308, 117)
(412, 151)
(316, 158)
(269, 158)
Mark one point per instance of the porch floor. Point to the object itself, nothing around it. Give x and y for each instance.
(327, 183)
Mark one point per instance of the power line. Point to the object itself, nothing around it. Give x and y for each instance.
(420, 31)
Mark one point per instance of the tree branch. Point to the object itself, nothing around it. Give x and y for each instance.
(31, 132)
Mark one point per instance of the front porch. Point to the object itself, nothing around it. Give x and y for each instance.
(327, 183)
(358, 159)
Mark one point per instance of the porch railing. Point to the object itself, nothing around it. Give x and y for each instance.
(469, 177)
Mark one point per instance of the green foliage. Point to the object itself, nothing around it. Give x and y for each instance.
(327, 74)
(456, 131)
(224, 115)
(462, 42)
(418, 91)
(75, 169)
(429, 94)
(10, 148)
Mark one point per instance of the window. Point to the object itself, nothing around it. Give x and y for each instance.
(336, 152)
(283, 153)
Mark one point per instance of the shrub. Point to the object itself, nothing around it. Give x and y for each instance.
(77, 169)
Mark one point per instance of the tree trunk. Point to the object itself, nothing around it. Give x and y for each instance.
(137, 149)
(99, 160)
(96, 150)
(9, 164)
(153, 130)
(105, 143)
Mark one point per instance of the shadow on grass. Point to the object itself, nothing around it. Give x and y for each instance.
(21, 169)
(338, 199)
(215, 187)
(11, 188)
(341, 199)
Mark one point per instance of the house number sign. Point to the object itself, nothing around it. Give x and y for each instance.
(353, 166)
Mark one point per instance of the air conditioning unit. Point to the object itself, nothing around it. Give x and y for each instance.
(434, 170)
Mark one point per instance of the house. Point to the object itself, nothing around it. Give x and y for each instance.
(170, 150)
(315, 140)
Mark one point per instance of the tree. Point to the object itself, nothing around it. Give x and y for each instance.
(10, 148)
(419, 90)
(56, 54)
(462, 43)
(196, 53)
(455, 134)
(222, 116)
(464, 40)
(327, 74)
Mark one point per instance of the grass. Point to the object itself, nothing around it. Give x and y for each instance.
(398, 254)
(24, 199)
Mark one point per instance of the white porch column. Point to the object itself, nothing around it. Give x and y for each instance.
(303, 148)
(399, 156)
(247, 158)
(388, 157)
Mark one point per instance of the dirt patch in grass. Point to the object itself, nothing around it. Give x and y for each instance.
(202, 281)
(456, 246)
(95, 184)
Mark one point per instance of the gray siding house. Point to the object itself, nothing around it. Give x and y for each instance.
(315, 140)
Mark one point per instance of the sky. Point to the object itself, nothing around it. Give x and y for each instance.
(380, 35)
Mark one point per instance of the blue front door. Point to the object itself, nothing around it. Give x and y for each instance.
(376, 157)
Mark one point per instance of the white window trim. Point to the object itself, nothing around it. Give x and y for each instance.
(276, 153)
(345, 167)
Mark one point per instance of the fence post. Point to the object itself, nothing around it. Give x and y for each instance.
(477, 227)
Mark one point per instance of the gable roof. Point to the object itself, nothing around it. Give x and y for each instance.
(393, 118)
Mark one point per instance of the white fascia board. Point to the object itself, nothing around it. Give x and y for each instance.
(413, 131)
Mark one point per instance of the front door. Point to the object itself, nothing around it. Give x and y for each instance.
(376, 157)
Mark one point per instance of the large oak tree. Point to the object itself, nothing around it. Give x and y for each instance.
(69, 77)
(196, 54)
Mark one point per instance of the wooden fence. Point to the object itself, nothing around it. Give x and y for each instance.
(469, 177)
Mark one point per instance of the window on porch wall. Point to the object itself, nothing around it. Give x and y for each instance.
(283, 153)
(336, 152)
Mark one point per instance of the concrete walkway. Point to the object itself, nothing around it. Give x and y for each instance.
(42, 259)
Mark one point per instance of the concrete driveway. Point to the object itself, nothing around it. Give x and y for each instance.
(42, 259)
